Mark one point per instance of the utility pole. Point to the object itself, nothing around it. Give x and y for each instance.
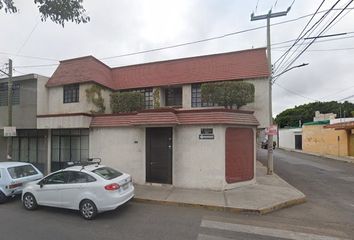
(9, 111)
(270, 137)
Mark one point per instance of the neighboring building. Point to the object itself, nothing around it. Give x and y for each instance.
(185, 142)
(290, 138)
(30, 144)
(324, 116)
(328, 139)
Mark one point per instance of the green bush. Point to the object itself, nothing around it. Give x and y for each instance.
(228, 94)
(124, 102)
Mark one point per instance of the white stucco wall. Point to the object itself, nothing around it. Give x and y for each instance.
(287, 137)
(198, 163)
(195, 163)
(122, 148)
(187, 96)
(53, 96)
(260, 106)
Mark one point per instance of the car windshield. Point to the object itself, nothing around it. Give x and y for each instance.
(107, 173)
(21, 171)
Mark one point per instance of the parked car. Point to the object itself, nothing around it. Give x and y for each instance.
(264, 144)
(91, 189)
(13, 177)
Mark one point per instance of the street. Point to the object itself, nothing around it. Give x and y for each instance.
(328, 212)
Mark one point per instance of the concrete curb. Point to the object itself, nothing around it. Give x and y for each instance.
(261, 211)
(329, 157)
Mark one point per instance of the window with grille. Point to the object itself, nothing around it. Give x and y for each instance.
(4, 93)
(173, 96)
(71, 93)
(197, 100)
(148, 96)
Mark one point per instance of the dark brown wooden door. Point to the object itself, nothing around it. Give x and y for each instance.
(159, 155)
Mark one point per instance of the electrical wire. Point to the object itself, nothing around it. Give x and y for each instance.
(314, 39)
(300, 36)
(296, 93)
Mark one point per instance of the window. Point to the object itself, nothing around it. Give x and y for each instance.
(197, 97)
(30, 146)
(173, 96)
(69, 145)
(4, 94)
(148, 96)
(57, 178)
(71, 93)
(107, 173)
(79, 177)
(21, 171)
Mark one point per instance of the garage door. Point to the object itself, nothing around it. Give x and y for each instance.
(239, 154)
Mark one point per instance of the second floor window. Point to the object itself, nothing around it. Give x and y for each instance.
(71, 93)
(197, 100)
(173, 97)
(4, 92)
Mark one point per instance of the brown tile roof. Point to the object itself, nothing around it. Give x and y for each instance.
(341, 126)
(246, 64)
(176, 117)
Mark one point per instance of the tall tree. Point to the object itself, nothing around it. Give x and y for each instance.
(59, 11)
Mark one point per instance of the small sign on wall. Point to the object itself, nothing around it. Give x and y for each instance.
(206, 134)
(9, 131)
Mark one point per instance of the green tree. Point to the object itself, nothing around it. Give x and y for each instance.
(305, 113)
(228, 94)
(59, 11)
(124, 102)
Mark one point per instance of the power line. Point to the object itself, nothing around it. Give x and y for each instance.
(283, 56)
(328, 50)
(29, 36)
(179, 45)
(211, 38)
(345, 98)
(319, 41)
(283, 59)
(295, 93)
(317, 35)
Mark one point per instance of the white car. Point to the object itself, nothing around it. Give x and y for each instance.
(14, 175)
(90, 189)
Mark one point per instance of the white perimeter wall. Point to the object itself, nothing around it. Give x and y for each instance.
(121, 148)
(195, 163)
(287, 137)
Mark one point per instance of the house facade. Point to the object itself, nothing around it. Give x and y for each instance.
(178, 139)
(30, 144)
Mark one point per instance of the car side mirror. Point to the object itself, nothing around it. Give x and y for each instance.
(41, 185)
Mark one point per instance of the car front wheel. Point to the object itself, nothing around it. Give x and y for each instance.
(88, 209)
(29, 201)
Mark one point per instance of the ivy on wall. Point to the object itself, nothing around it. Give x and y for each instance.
(94, 95)
(124, 102)
(156, 98)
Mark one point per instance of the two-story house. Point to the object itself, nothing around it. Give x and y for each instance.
(183, 141)
(30, 144)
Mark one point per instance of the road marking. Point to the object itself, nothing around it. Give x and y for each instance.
(209, 237)
(270, 232)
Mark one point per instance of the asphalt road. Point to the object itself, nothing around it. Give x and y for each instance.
(329, 186)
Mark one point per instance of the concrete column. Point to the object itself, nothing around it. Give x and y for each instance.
(187, 96)
(49, 151)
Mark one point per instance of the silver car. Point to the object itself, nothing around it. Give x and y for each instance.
(14, 175)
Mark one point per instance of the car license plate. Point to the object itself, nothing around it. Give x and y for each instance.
(125, 186)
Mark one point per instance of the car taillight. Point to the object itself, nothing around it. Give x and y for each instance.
(112, 187)
(12, 186)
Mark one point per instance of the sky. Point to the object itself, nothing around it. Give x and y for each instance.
(120, 27)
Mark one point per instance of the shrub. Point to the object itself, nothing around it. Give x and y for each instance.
(124, 102)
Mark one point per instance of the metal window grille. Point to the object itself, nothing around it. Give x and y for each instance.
(4, 94)
(71, 93)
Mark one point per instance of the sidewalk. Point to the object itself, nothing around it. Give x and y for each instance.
(268, 194)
